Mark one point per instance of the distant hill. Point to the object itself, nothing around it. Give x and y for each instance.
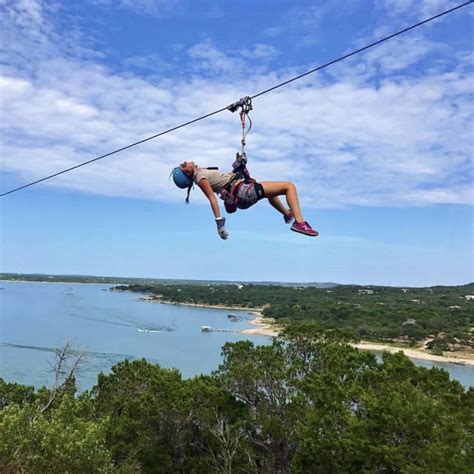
(106, 280)
(137, 281)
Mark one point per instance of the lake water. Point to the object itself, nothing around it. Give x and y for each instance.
(111, 326)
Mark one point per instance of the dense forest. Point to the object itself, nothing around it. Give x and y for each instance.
(440, 316)
(308, 403)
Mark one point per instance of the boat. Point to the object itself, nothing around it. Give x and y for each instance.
(206, 329)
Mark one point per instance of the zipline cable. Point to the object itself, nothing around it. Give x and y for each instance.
(342, 58)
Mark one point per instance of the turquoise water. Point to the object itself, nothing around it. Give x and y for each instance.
(111, 326)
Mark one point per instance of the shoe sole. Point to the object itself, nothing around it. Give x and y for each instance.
(304, 233)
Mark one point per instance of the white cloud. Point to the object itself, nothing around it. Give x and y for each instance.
(403, 141)
(391, 57)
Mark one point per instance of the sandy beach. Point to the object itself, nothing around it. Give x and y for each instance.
(264, 327)
(267, 327)
(453, 358)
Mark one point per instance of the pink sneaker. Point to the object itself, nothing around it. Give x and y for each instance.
(304, 228)
(289, 218)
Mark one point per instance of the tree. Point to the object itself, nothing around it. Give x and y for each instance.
(44, 432)
(15, 393)
(219, 440)
(256, 376)
(307, 403)
(142, 403)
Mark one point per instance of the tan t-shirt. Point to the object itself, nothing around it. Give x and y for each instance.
(217, 180)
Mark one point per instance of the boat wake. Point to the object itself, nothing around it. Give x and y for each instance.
(138, 325)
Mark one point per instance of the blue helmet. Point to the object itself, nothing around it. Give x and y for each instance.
(180, 179)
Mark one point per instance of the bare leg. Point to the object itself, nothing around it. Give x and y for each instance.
(277, 204)
(274, 189)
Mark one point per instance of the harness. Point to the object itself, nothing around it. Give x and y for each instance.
(229, 195)
(239, 166)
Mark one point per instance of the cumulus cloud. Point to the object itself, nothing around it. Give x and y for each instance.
(403, 140)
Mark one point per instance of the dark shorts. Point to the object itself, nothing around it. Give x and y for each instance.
(249, 194)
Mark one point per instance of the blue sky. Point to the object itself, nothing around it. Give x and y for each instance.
(379, 146)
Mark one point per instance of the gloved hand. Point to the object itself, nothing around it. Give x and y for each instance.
(240, 160)
(220, 221)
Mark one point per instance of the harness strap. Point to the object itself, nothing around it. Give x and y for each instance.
(236, 186)
(236, 180)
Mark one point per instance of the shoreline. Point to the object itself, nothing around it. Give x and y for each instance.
(457, 358)
(197, 305)
(263, 326)
(266, 327)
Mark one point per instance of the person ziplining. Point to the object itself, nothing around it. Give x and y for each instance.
(237, 189)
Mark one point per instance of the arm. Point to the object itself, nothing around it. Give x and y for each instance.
(220, 221)
(207, 190)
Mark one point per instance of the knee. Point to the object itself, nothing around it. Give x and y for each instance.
(290, 186)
